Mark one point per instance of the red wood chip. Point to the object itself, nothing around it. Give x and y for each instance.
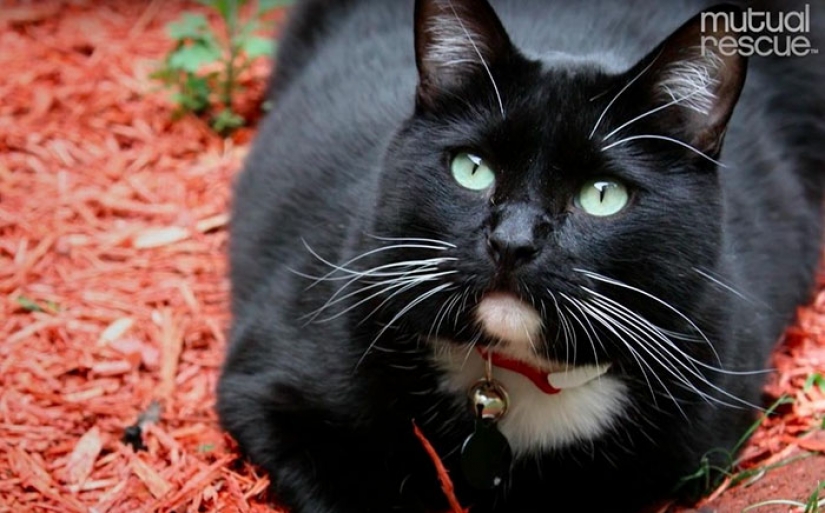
(83, 457)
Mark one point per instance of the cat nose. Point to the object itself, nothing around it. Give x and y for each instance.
(512, 242)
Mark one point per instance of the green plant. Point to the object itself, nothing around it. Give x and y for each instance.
(31, 305)
(718, 464)
(815, 379)
(204, 67)
(814, 504)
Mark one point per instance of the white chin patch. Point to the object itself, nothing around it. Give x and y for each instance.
(588, 404)
(509, 319)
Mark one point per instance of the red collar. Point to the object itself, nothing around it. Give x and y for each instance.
(537, 376)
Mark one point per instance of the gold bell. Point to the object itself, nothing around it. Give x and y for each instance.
(488, 400)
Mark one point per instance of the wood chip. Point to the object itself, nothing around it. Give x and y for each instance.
(116, 330)
(83, 457)
(158, 237)
(212, 223)
(156, 485)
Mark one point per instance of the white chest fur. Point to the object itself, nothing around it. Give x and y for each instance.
(536, 420)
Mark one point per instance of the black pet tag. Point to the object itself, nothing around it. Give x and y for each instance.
(486, 454)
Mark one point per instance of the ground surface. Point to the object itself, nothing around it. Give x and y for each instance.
(112, 279)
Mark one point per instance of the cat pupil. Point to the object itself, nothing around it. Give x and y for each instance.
(602, 187)
(476, 163)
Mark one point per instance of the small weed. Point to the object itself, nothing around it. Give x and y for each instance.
(815, 379)
(30, 305)
(815, 501)
(750, 476)
(814, 504)
(204, 67)
(204, 448)
(717, 464)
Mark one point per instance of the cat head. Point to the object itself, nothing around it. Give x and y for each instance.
(543, 202)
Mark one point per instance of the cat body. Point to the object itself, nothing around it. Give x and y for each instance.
(370, 272)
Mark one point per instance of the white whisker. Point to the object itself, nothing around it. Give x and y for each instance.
(656, 343)
(621, 91)
(652, 111)
(401, 285)
(611, 281)
(344, 267)
(586, 333)
(481, 58)
(423, 297)
(662, 138)
(377, 272)
(561, 329)
(411, 239)
(608, 323)
(443, 312)
(411, 275)
(396, 293)
(662, 338)
(665, 355)
(730, 289)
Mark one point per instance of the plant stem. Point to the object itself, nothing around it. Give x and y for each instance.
(232, 29)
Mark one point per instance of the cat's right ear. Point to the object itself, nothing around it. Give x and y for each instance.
(456, 42)
(695, 77)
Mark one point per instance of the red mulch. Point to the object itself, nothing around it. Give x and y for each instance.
(112, 273)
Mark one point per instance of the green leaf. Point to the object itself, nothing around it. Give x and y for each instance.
(192, 57)
(226, 8)
(222, 5)
(268, 5)
(195, 94)
(247, 29)
(814, 379)
(255, 47)
(164, 74)
(226, 120)
(190, 26)
(30, 305)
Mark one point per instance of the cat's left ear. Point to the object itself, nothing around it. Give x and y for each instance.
(698, 72)
(456, 42)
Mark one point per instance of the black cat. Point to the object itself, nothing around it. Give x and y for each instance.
(542, 200)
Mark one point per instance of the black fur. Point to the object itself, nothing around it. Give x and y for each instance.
(357, 149)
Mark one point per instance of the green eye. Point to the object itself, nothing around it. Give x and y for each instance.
(602, 198)
(471, 172)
